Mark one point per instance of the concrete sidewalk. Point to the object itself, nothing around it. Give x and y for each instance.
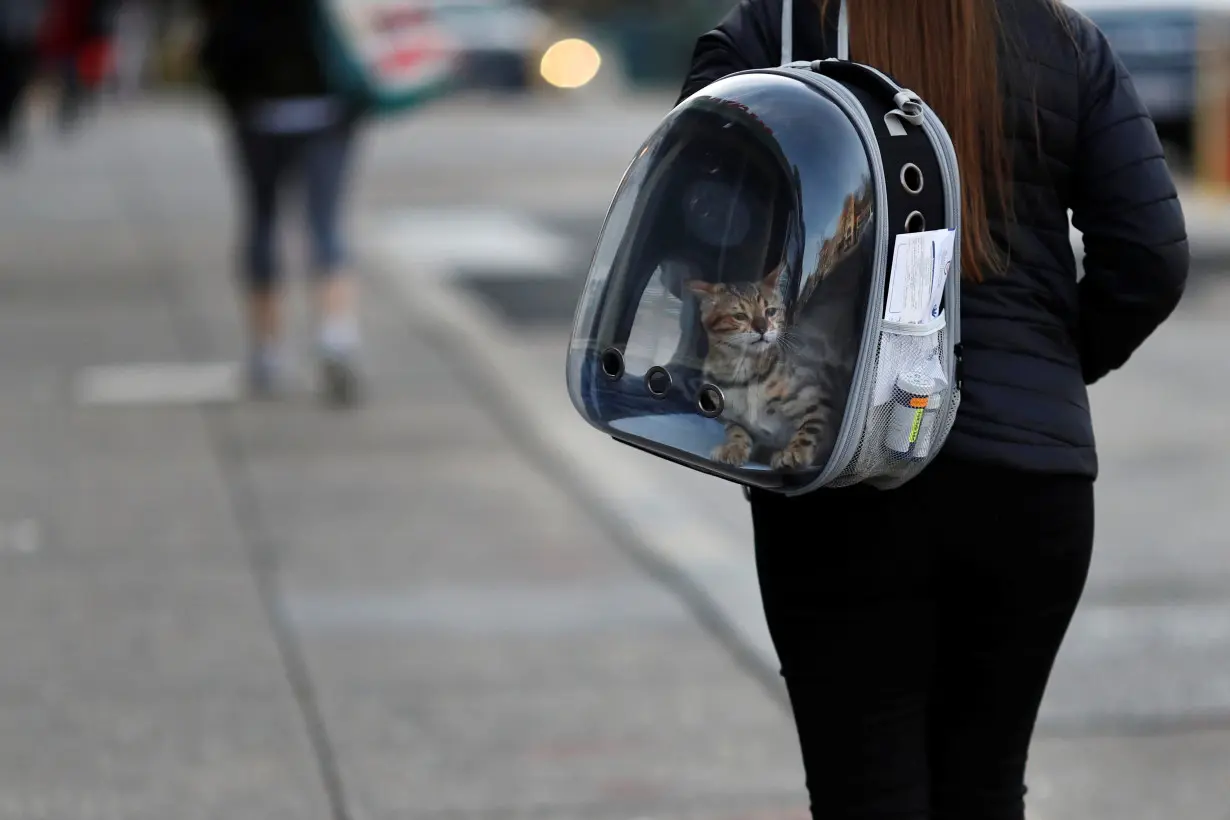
(218, 609)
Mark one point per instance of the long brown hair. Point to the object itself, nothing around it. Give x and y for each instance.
(947, 52)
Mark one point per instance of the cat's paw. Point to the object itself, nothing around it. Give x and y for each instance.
(734, 453)
(794, 457)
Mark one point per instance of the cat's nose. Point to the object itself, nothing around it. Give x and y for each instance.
(759, 325)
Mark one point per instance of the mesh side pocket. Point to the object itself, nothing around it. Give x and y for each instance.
(911, 409)
(937, 442)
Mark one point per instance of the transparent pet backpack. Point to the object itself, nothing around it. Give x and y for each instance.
(774, 296)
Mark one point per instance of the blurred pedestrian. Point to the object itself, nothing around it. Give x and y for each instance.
(917, 627)
(20, 23)
(286, 127)
(133, 31)
(76, 44)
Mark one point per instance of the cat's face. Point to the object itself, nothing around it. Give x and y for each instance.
(745, 316)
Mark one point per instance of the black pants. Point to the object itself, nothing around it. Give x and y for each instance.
(17, 64)
(917, 629)
(268, 163)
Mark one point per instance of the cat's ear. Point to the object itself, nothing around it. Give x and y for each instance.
(770, 281)
(702, 288)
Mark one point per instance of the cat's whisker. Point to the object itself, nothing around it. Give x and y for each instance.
(789, 342)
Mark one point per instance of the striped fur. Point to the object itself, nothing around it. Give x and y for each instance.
(778, 381)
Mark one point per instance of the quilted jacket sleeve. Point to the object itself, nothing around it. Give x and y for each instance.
(748, 37)
(1125, 204)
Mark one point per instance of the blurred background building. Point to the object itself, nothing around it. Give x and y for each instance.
(645, 44)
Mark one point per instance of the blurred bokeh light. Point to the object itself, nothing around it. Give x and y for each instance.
(570, 63)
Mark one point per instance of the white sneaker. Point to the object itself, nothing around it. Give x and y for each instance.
(338, 345)
(265, 372)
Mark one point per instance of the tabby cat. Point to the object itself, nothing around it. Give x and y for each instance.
(782, 384)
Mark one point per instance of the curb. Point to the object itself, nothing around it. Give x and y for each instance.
(1211, 264)
(710, 570)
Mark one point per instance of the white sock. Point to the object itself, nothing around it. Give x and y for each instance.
(339, 334)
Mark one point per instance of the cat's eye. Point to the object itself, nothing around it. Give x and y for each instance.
(770, 312)
(740, 317)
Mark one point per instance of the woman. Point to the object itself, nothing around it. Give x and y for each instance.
(917, 627)
(286, 127)
(20, 21)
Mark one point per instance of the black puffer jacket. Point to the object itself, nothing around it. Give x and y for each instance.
(1033, 337)
(256, 50)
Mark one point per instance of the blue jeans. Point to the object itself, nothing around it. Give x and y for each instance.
(270, 161)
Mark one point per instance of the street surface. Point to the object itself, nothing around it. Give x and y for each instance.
(460, 602)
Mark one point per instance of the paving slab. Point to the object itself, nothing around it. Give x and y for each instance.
(478, 643)
(1142, 777)
(141, 679)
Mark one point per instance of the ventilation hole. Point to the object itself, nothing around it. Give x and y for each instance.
(915, 223)
(911, 178)
(658, 381)
(710, 401)
(612, 363)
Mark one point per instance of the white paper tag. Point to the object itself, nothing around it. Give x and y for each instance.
(921, 262)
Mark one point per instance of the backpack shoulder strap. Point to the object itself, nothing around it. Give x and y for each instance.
(843, 33)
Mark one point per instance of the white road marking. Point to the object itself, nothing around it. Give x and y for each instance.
(438, 242)
(156, 383)
(22, 537)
